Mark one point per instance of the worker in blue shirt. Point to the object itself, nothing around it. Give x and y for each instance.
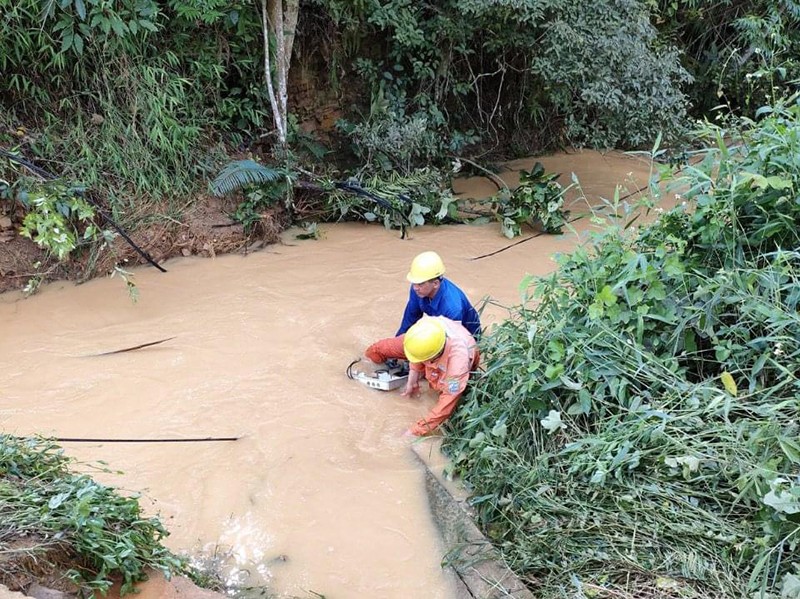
(432, 294)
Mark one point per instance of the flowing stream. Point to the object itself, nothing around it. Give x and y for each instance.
(320, 493)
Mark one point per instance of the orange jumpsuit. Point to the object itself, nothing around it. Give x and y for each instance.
(447, 373)
(385, 349)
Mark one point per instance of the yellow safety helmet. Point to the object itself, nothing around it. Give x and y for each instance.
(426, 266)
(424, 340)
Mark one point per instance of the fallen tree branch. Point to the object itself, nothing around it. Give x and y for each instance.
(499, 183)
(127, 349)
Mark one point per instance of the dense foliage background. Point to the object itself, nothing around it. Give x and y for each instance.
(145, 101)
(144, 98)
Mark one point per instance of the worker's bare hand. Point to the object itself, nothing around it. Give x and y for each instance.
(411, 391)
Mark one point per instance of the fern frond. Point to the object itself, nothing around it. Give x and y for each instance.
(792, 7)
(243, 173)
(393, 183)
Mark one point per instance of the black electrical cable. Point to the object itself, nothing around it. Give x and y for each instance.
(516, 243)
(46, 175)
(349, 370)
(195, 440)
(127, 349)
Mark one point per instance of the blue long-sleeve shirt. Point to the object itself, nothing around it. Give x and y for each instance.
(449, 301)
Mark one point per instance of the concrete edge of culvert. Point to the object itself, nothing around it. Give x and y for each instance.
(5, 593)
(480, 572)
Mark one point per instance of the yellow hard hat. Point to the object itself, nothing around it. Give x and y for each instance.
(424, 340)
(426, 266)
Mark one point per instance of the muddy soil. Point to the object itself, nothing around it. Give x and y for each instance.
(206, 229)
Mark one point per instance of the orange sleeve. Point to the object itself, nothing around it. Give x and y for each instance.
(438, 414)
(391, 347)
(451, 386)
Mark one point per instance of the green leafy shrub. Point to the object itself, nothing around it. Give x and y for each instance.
(617, 86)
(102, 100)
(251, 210)
(413, 199)
(539, 199)
(389, 139)
(41, 499)
(263, 187)
(501, 69)
(741, 54)
(636, 420)
(58, 218)
(745, 193)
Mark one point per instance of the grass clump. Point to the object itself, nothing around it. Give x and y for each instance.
(48, 513)
(635, 432)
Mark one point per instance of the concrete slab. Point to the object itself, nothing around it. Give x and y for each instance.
(481, 572)
(6, 594)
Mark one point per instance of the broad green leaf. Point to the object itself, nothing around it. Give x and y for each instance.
(477, 440)
(571, 384)
(690, 463)
(553, 371)
(606, 296)
(790, 448)
(499, 430)
(118, 26)
(66, 41)
(57, 500)
(599, 476)
(552, 422)
(595, 310)
(790, 587)
(729, 383)
(782, 501)
(762, 182)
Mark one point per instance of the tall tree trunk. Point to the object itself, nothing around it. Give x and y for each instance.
(278, 21)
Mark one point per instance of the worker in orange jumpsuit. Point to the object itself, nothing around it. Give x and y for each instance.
(445, 353)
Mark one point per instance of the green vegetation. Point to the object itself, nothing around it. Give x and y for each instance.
(54, 514)
(739, 52)
(142, 101)
(454, 72)
(420, 197)
(58, 211)
(98, 99)
(636, 423)
(538, 199)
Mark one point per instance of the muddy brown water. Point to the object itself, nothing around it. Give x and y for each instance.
(320, 494)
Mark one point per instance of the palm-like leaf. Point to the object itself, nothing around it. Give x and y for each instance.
(242, 173)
